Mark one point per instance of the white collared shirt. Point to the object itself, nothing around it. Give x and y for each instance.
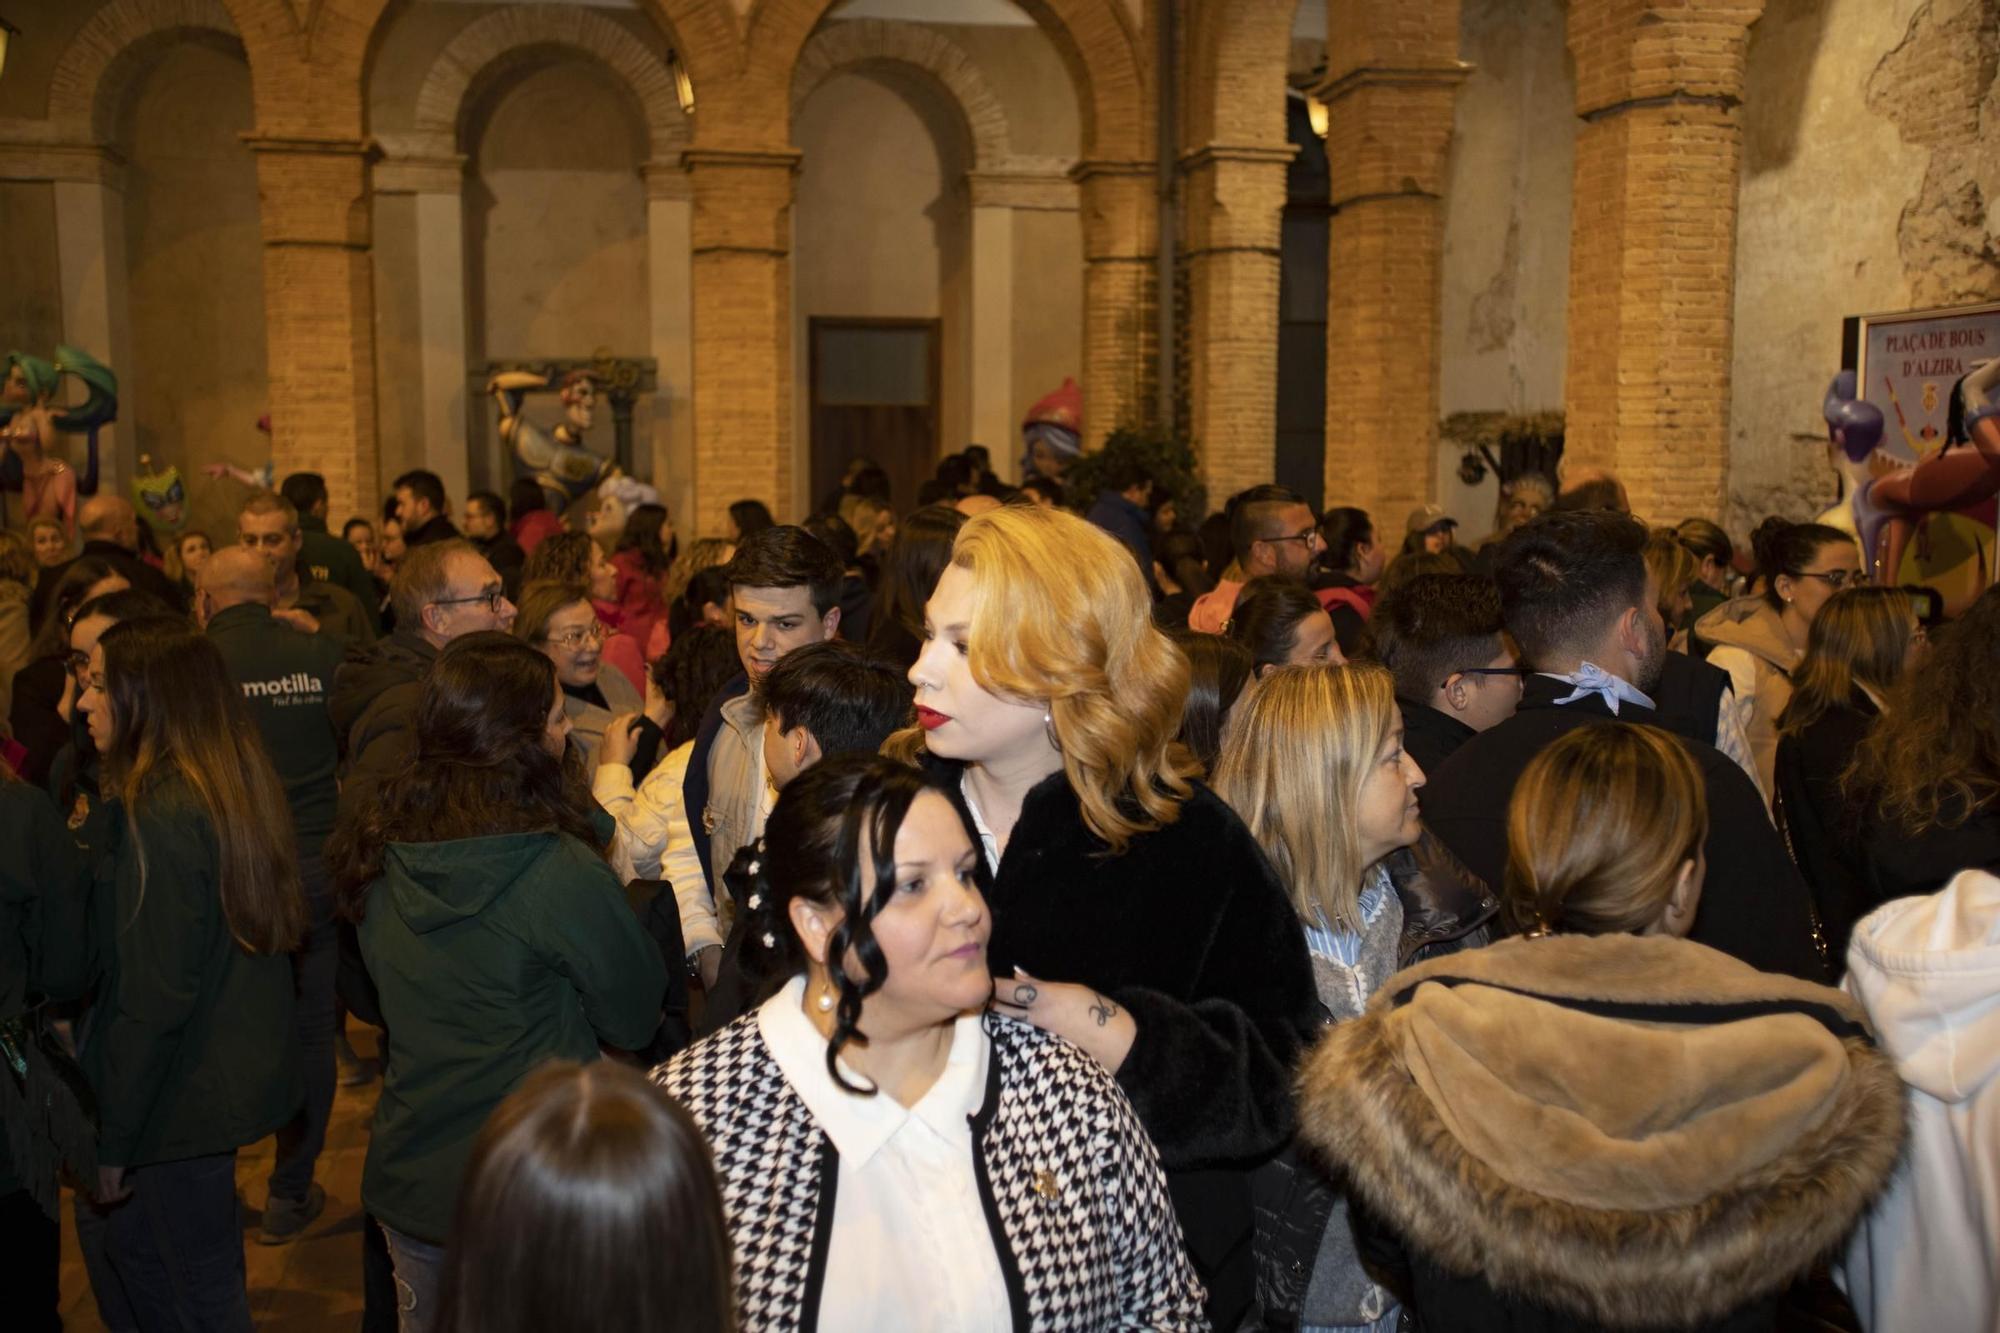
(911, 1246)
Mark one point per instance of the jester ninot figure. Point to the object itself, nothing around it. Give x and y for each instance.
(31, 418)
(1887, 506)
(560, 461)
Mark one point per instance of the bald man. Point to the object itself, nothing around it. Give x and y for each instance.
(285, 674)
(109, 526)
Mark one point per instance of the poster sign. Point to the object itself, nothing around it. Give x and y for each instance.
(1907, 364)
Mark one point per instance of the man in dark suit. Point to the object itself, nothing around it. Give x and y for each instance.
(1577, 599)
(110, 528)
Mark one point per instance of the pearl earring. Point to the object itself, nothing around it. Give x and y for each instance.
(825, 1001)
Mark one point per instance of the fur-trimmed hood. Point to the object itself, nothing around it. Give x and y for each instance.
(1633, 1131)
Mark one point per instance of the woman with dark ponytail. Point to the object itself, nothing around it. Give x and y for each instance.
(493, 929)
(1759, 640)
(1000, 1165)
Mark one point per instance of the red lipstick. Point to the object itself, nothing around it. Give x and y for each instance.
(930, 719)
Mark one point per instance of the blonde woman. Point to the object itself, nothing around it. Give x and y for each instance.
(1133, 913)
(1314, 762)
(1603, 1124)
(1860, 644)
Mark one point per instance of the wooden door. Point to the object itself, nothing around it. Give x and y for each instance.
(874, 394)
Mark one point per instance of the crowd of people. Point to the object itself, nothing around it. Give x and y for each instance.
(1023, 910)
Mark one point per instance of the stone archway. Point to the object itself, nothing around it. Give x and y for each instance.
(875, 41)
(427, 162)
(500, 35)
(97, 66)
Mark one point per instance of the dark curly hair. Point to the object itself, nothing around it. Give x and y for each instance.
(478, 766)
(1933, 759)
(812, 849)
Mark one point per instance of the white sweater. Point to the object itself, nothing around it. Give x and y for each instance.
(1927, 1256)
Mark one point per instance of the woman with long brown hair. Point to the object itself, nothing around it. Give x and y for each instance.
(1133, 912)
(44, 698)
(1928, 775)
(189, 1044)
(1859, 646)
(589, 1202)
(494, 931)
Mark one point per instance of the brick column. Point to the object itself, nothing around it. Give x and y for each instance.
(1235, 210)
(319, 311)
(1121, 238)
(1653, 245)
(1390, 94)
(742, 331)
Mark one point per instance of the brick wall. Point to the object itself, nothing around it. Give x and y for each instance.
(1653, 246)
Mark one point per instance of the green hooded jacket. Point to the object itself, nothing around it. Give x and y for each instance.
(492, 955)
(191, 1048)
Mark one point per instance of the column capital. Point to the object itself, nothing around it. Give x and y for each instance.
(1094, 169)
(742, 159)
(1433, 74)
(420, 175)
(1250, 154)
(1042, 191)
(314, 190)
(88, 164)
(1640, 53)
(311, 145)
(667, 180)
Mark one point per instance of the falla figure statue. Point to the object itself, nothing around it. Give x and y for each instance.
(559, 460)
(32, 416)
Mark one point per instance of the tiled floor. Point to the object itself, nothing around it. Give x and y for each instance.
(310, 1285)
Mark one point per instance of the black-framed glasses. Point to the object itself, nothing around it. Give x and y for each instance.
(1307, 537)
(494, 598)
(1517, 672)
(1836, 579)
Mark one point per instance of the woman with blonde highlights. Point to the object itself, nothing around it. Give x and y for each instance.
(1049, 704)
(1858, 648)
(1314, 762)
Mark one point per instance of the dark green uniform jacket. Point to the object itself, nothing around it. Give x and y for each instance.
(191, 1048)
(44, 897)
(286, 676)
(372, 703)
(329, 559)
(491, 955)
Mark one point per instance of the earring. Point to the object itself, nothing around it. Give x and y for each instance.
(825, 1000)
(1049, 726)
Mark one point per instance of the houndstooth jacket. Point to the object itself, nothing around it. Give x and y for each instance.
(1073, 1191)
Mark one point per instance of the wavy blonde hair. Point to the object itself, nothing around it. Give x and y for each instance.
(1298, 748)
(1060, 612)
(1600, 824)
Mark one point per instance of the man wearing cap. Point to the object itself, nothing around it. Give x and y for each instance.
(1272, 531)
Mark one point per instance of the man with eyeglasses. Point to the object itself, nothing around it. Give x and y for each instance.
(1272, 531)
(1579, 601)
(269, 525)
(441, 592)
(1441, 636)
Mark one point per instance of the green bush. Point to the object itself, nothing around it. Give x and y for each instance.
(1169, 461)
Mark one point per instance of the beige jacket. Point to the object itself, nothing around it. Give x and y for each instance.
(1751, 645)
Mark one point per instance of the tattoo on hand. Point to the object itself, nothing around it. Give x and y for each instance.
(1103, 1011)
(1024, 995)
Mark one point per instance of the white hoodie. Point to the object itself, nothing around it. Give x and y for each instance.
(1927, 1256)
